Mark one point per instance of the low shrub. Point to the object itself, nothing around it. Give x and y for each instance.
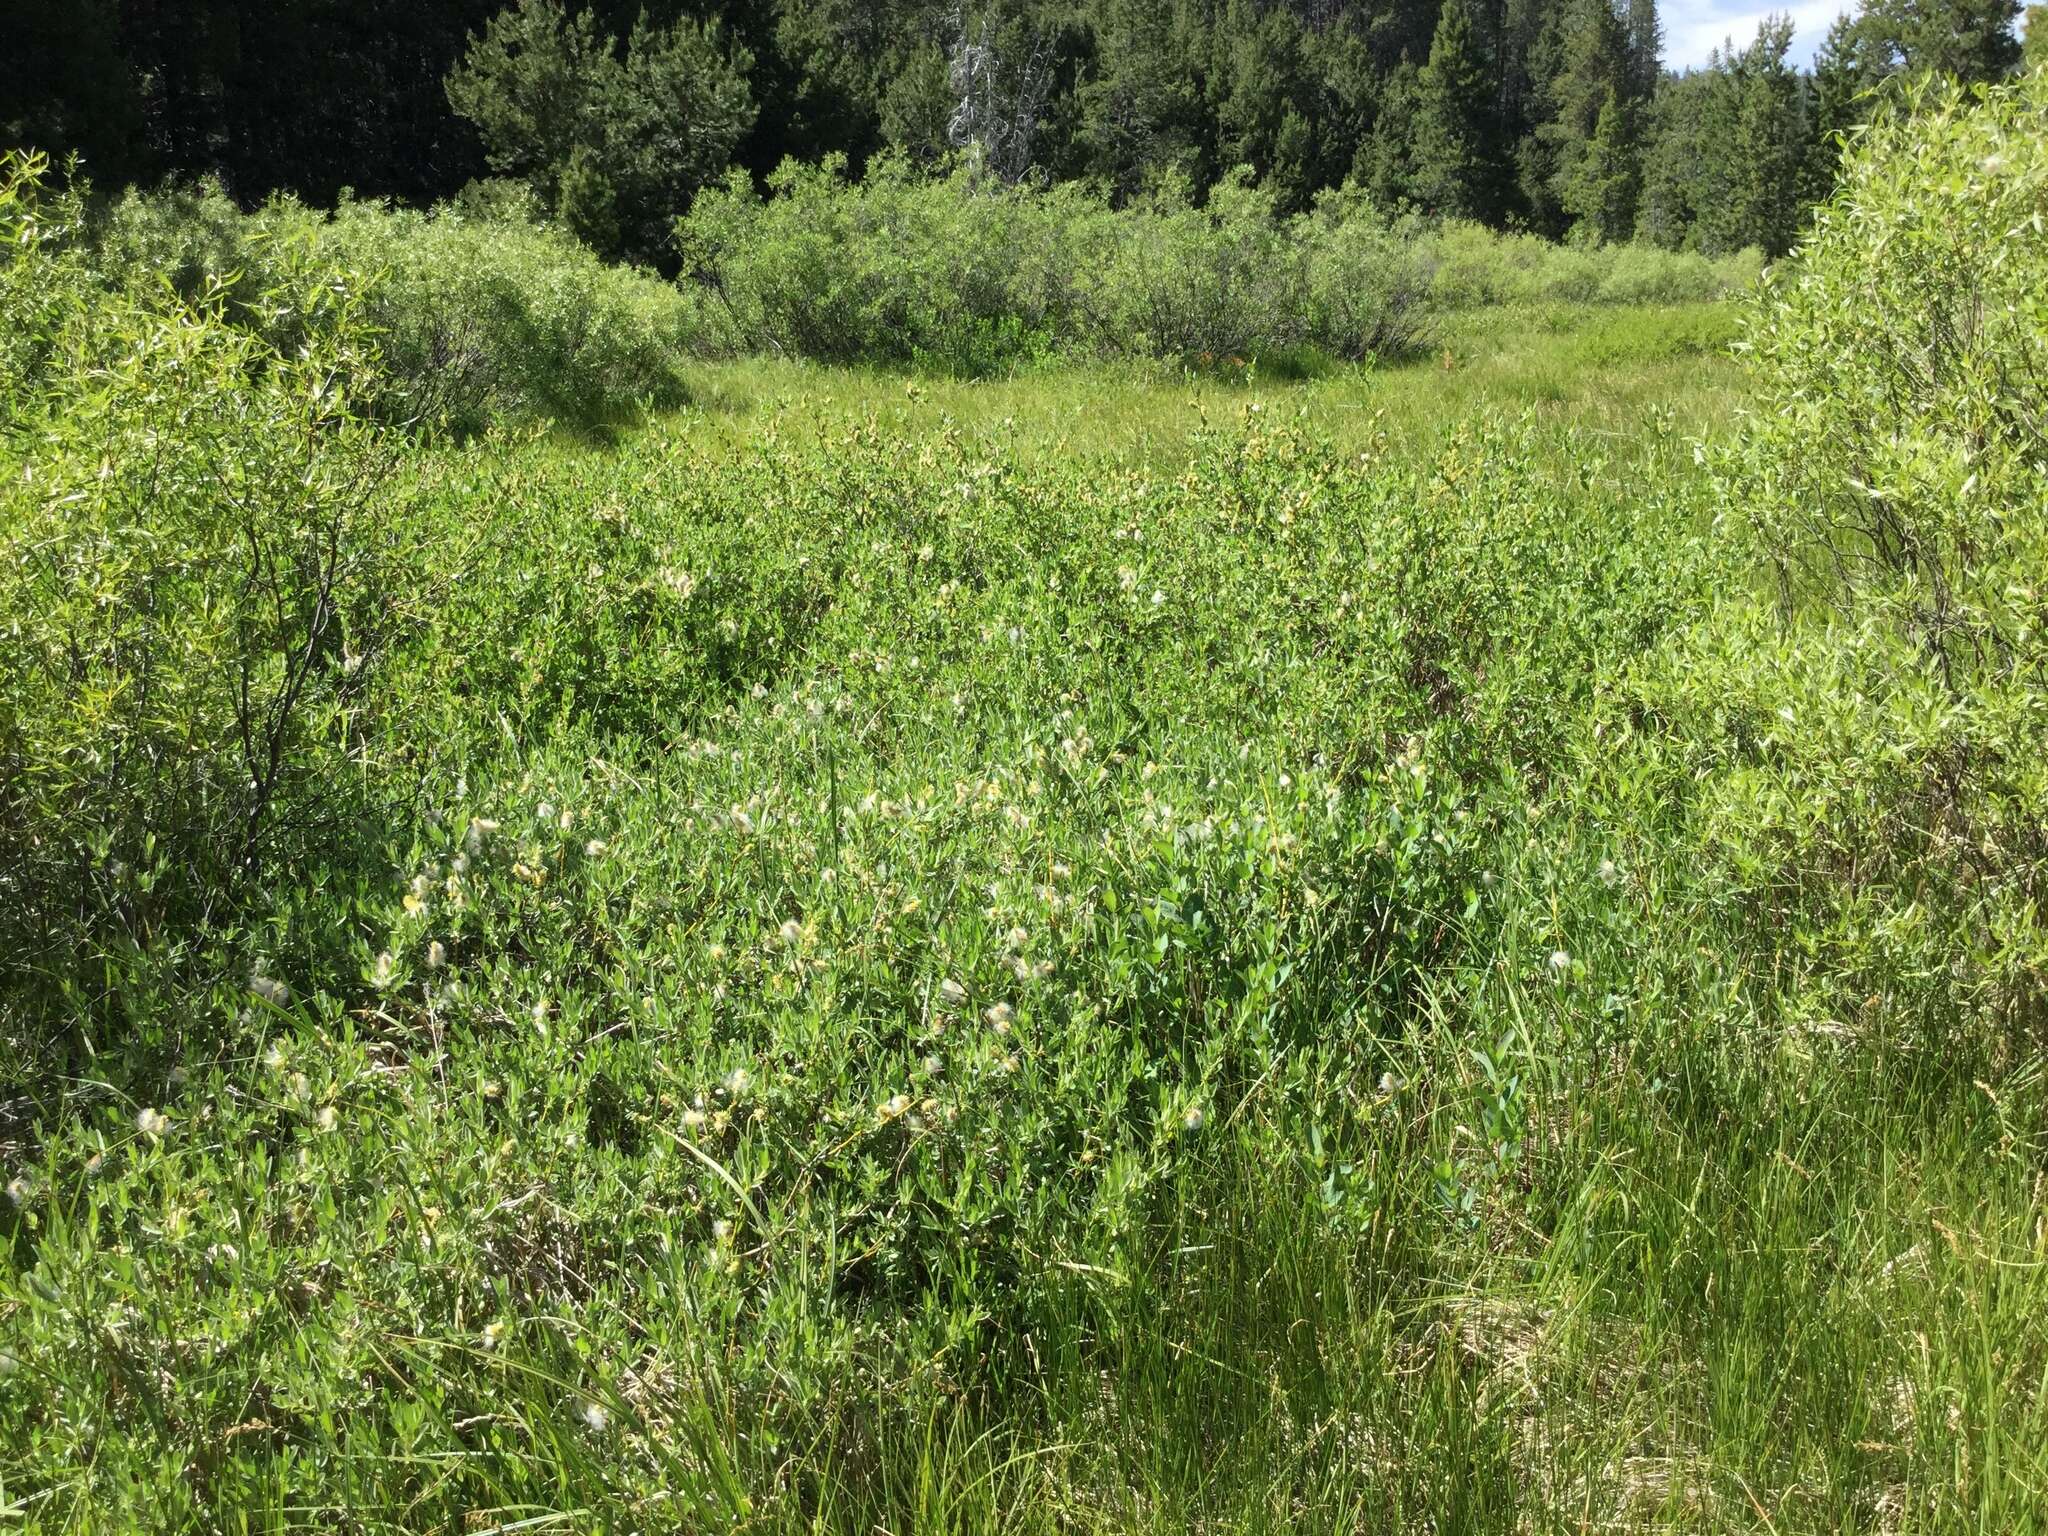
(973, 278)
(1171, 280)
(897, 268)
(1475, 267)
(1368, 280)
(481, 314)
(484, 320)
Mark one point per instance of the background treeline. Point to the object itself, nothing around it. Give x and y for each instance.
(1553, 116)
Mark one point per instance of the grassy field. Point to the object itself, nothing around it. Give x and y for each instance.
(1605, 369)
(1453, 947)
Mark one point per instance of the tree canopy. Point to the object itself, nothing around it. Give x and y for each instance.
(1553, 115)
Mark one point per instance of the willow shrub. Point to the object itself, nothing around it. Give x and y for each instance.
(1870, 736)
(200, 569)
(972, 278)
(1473, 267)
(479, 315)
(896, 268)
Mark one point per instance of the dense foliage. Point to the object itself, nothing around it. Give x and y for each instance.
(972, 279)
(1487, 984)
(1551, 115)
(201, 572)
(478, 311)
(611, 144)
(1894, 487)
(483, 311)
(902, 269)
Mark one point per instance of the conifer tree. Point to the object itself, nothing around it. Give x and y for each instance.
(1645, 48)
(917, 106)
(1595, 134)
(613, 141)
(1141, 111)
(1524, 25)
(1729, 164)
(1263, 100)
(1385, 164)
(1841, 77)
(1678, 171)
(1769, 144)
(1973, 40)
(1602, 181)
(1540, 145)
(1455, 156)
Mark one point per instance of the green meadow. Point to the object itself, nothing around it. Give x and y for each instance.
(1447, 940)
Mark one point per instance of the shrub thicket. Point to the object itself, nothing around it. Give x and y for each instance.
(972, 278)
(1474, 267)
(485, 314)
(479, 315)
(1871, 741)
(201, 568)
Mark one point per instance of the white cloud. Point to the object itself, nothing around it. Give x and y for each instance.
(1696, 28)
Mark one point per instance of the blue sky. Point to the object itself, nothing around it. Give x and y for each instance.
(1694, 28)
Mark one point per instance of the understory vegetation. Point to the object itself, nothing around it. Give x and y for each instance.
(973, 279)
(481, 311)
(1478, 977)
(478, 311)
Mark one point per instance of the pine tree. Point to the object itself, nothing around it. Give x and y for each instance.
(1602, 182)
(1264, 101)
(1539, 145)
(1645, 48)
(614, 141)
(1339, 58)
(1523, 28)
(1841, 77)
(1973, 40)
(1141, 113)
(525, 83)
(917, 107)
(1385, 164)
(1729, 162)
(1455, 144)
(1594, 136)
(1677, 171)
(1770, 140)
(586, 201)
